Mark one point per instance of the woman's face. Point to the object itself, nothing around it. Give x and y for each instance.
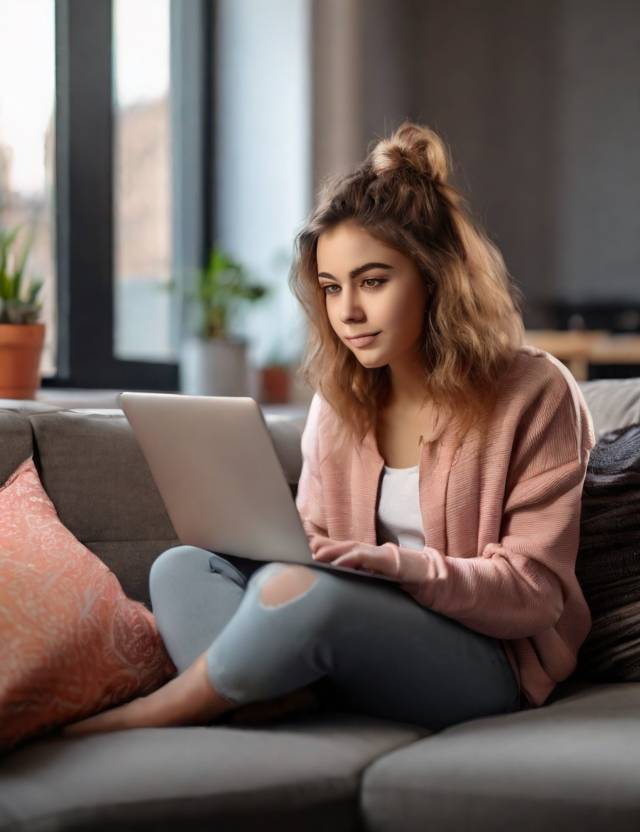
(386, 295)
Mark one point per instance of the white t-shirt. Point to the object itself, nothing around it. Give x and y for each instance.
(398, 516)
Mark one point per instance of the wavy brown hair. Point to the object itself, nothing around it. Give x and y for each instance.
(473, 324)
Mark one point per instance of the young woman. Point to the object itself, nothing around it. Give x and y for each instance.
(438, 450)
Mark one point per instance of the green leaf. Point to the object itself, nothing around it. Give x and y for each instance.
(6, 240)
(15, 309)
(20, 270)
(35, 287)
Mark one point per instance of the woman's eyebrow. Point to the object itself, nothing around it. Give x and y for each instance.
(359, 270)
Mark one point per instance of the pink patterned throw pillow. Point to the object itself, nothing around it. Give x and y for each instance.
(71, 643)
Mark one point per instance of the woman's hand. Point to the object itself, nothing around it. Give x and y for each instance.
(412, 569)
(381, 559)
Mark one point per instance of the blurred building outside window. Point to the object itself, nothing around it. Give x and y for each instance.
(27, 145)
(142, 180)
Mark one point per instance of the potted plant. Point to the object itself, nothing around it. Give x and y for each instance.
(214, 362)
(21, 335)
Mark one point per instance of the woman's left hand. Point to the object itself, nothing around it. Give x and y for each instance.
(356, 555)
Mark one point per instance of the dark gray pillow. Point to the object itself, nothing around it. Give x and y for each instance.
(608, 562)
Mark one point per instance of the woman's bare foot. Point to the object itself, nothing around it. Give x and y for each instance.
(188, 699)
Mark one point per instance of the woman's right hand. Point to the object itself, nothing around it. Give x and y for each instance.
(318, 540)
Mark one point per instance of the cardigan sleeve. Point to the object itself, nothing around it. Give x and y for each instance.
(515, 588)
(309, 501)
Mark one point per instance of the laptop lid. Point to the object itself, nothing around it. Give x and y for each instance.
(217, 471)
(220, 478)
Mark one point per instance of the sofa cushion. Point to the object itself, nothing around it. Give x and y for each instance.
(612, 402)
(71, 643)
(608, 562)
(286, 435)
(94, 471)
(97, 477)
(15, 441)
(571, 765)
(300, 773)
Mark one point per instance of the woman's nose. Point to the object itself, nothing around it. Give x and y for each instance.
(350, 308)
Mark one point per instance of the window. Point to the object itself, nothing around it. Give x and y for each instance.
(142, 179)
(130, 212)
(27, 145)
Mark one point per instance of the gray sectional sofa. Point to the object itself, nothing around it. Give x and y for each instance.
(572, 764)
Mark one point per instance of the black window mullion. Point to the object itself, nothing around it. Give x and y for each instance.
(190, 119)
(209, 114)
(84, 190)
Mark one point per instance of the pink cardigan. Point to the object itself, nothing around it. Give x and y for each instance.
(502, 514)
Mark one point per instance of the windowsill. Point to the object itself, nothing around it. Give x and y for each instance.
(107, 400)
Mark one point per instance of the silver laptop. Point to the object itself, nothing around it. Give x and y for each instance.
(217, 471)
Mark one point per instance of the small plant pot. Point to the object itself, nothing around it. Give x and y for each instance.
(214, 367)
(275, 385)
(20, 353)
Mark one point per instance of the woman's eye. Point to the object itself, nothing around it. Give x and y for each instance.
(376, 280)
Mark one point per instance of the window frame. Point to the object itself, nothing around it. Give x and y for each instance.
(84, 191)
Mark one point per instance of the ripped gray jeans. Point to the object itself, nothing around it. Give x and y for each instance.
(271, 628)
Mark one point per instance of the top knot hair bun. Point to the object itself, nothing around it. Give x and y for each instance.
(414, 147)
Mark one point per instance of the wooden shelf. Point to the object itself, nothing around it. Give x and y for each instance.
(579, 348)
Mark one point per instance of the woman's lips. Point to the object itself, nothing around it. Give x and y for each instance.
(364, 340)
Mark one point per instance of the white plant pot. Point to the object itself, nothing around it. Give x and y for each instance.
(214, 367)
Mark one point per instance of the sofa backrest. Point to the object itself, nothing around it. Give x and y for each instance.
(94, 472)
(612, 402)
(92, 468)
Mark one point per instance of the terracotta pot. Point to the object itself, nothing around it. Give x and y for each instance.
(20, 352)
(275, 385)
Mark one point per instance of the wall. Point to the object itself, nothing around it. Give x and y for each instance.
(263, 157)
(538, 101)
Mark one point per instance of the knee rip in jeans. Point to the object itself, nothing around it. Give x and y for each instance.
(288, 583)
